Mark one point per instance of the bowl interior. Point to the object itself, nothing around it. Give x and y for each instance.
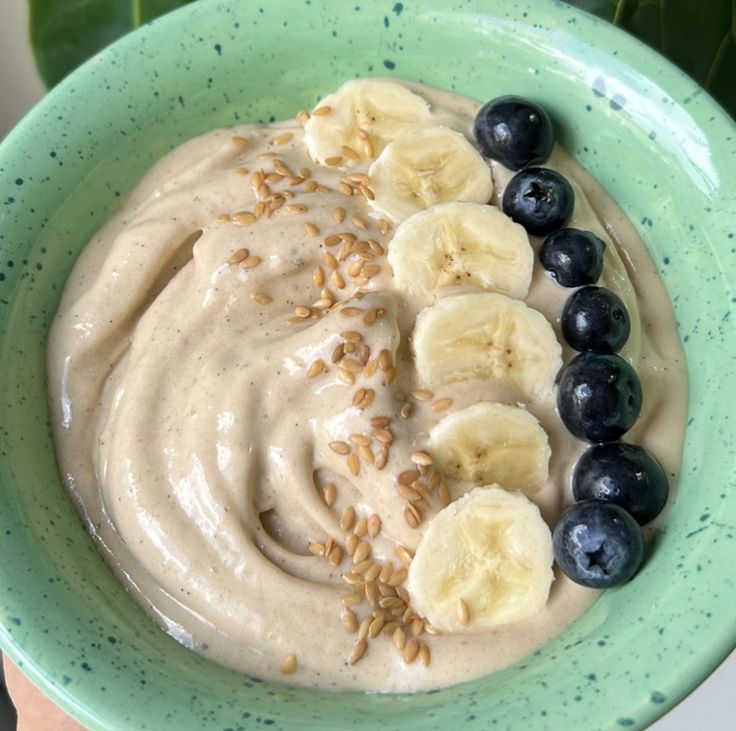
(662, 148)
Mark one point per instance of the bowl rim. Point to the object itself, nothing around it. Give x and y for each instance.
(630, 50)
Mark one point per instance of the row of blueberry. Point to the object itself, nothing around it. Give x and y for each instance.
(618, 486)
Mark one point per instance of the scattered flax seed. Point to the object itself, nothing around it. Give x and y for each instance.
(398, 577)
(411, 650)
(407, 477)
(349, 620)
(367, 192)
(310, 186)
(370, 270)
(322, 111)
(441, 404)
(363, 627)
(333, 161)
(338, 353)
(406, 411)
(346, 377)
(463, 611)
(296, 208)
(404, 555)
(352, 578)
(283, 139)
(370, 368)
(353, 462)
(239, 141)
(399, 639)
(425, 657)
(335, 556)
(263, 191)
(329, 543)
(359, 649)
(374, 525)
(352, 336)
(400, 396)
(422, 394)
(332, 240)
(351, 543)
(318, 276)
(351, 311)
(348, 518)
(311, 229)
(417, 627)
(339, 447)
(277, 201)
(368, 149)
(358, 396)
(362, 552)
(361, 527)
(237, 256)
(272, 178)
(316, 549)
(444, 494)
(362, 567)
(412, 516)
(349, 152)
(316, 368)
(256, 180)
(376, 626)
(373, 572)
(282, 169)
(322, 304)
(302, 311)
(384, 359)
(288, 665)
(240, 171)
(260, 209)
(250, 262)
(408, 493)
(372, 594)
(370, 317)
(266, 155)
(243, 218)
(367, 400)
(383, 226)
(262, 298)
(323, 189)
(330, 260)
(350, 600)
(430, 629)
(339, 214)
(387, 571)
(420, 458)
(354, 268)
(351, 365)
(329, 493)
(224, 218)
(302, 116)
(359, 221)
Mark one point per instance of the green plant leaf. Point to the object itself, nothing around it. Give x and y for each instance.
(64, 33)
(697, 35)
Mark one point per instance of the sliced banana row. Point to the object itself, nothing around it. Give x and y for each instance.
(486, 335)
(461, 244)
(484, 561)
(492, 442)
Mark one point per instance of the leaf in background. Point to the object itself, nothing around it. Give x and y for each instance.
(64, 33)
(698, 35)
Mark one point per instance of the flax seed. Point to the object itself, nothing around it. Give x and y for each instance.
(250, 262)
(277, 201)
(359, 649)
(406, 411)
(417, 627)
(243, 218)
(381, 458)
(372, 593)
(333, 161)
(283, 139)
(364, 626)
(376, 626)
(283, 169)
(348, 518)
(359, 221)
(311, 230)
(370, 270)
(345, 376)
(398, 577)
(351, 311)
(316, 368)
(288, 665)
(339, 447)
(408, 493)
(302, 116)
(366, 453)
(353, 462)
(412, 516)
(370, 317)
(349, 620)
(335, 556)
(350, 600)
(272, 178)
(362, 566)
(367, 192)
(399, 639)
(345, 189)
(349, 152)
(362, 552)
(330, 494)
(444, 495)
(404, 555)
(302, 311)
(237, 256)
(316, 549)
(463, 611)
(430, 629)
(329, 544)
(339, 214)
(352, 578)
(391, 603)
(266, 155)
(361, 527)
(310, 186)
(441, 404)
(318, 276)
(420, 458)
(296, 208)
(351, 543)
(338, 353)
(422, 394)
(407, 477)
(263, 191)
(322, 111)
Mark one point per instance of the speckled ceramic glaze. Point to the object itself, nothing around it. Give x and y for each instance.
(659, 144)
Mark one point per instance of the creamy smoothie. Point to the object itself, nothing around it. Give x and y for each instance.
(239, 416)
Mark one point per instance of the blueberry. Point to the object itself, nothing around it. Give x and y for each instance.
(573, 257)
(595, 319)
(599, 397)
(598, 544)
(514, 131)
(541, 200)
(624, 474)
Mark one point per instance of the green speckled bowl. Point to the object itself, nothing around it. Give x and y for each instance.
(660, 145)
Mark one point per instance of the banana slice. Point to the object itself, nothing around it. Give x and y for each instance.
(489, 336)
(461, 243)
(365, 116)
(484, 561)
(425, 167)
(490, 442)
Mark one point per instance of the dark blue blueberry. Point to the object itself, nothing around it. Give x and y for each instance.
(514, 131)
(598, 544)
(624, 474)
(599, 397)
(573, 257)
(541, 200)
(595, 319)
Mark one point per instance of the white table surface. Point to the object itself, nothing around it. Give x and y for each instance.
(707, 708)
